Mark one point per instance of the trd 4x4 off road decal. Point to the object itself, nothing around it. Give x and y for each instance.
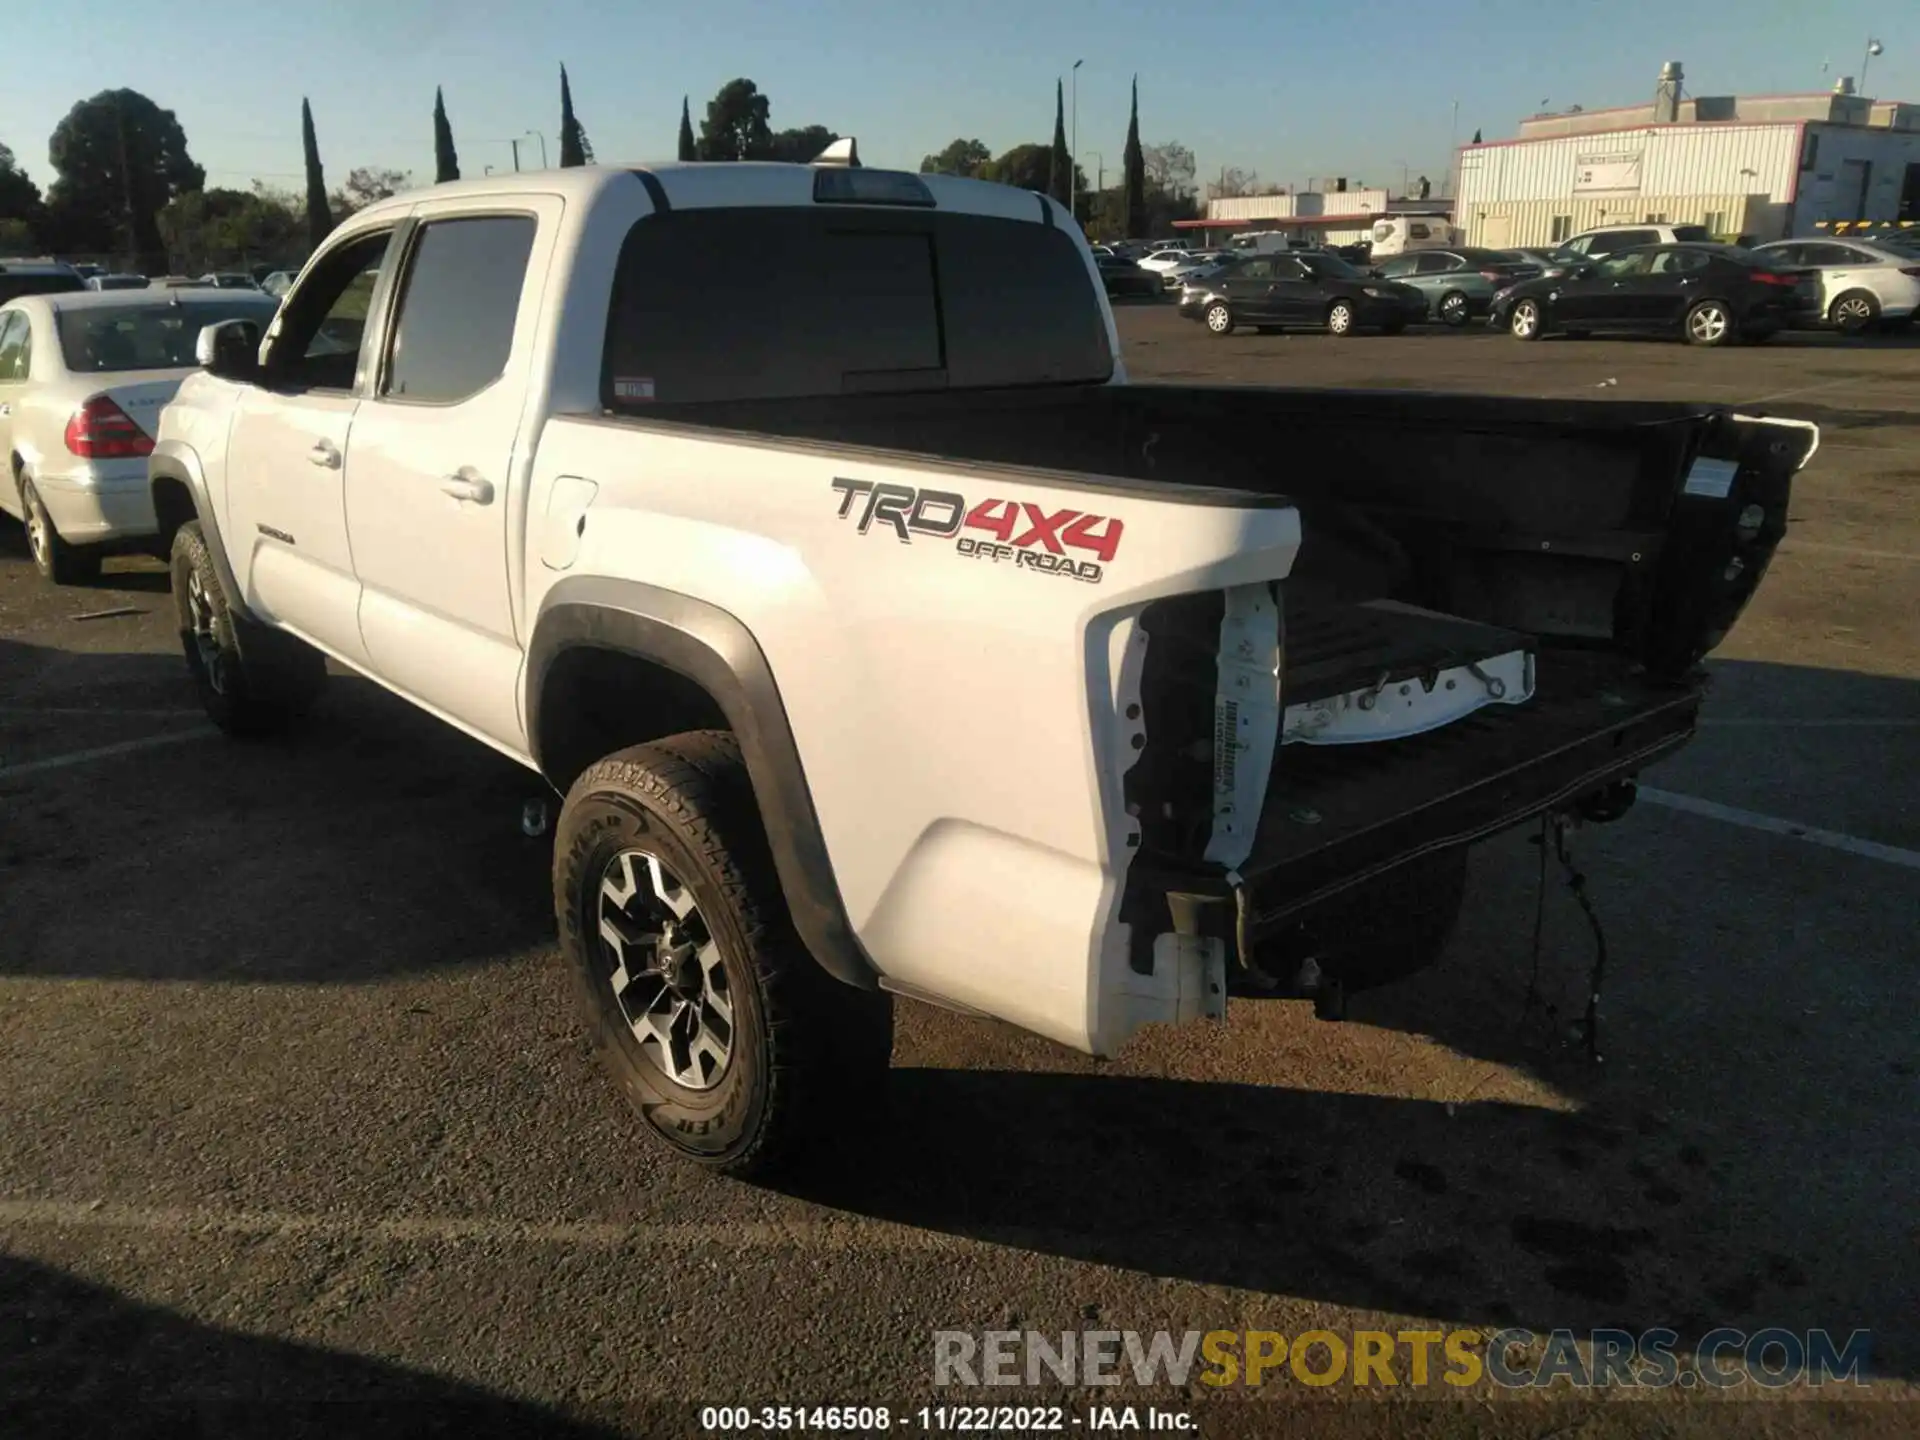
(1018, 532)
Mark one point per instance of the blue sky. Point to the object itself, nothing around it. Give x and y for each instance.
(1289, 90)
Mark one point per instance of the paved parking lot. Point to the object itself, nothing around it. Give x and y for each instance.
(293, 1103)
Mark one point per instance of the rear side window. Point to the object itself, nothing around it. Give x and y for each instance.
(780, 303)
(460, 298)
(15, 346)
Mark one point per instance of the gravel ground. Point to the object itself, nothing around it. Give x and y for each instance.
(294, 1108)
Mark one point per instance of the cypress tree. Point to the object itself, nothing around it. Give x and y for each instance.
(1060, 159)
(319, 217)
(446, 164)
(688, 150)
(1134, 198)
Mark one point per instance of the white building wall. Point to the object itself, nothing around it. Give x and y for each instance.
(1305, 202)
(1671, 160)
(1831, 189)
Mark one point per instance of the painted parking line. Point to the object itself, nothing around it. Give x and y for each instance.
(103, 752)
(480, 1229)
(1773, 825)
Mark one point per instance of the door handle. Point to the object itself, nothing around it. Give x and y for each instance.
(324, 455)
(468, 487)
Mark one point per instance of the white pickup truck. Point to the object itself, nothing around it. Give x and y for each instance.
(798, 525)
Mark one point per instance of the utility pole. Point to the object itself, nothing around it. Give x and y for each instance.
(1453, 146)
(516, 154)
(1073, 145)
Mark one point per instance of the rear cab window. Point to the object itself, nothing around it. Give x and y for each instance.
(786, 302)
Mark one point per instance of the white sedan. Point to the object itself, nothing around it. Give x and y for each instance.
(1862, 283)
(83, 378)
(1164, 260)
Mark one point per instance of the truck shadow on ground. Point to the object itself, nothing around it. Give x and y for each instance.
(78, 1358)
(372, 842)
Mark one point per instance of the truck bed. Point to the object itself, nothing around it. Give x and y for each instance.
(1613, 543)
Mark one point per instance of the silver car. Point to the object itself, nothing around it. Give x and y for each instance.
(83, 378)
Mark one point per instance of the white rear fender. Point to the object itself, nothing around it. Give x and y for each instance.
(957, 652)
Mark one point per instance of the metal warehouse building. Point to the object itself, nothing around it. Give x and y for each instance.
(1761, 166)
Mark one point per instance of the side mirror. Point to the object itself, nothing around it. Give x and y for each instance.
(230, 349)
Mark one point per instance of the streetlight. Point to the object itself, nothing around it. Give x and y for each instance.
(1874, 47)
(543, 146)
(1073, 159)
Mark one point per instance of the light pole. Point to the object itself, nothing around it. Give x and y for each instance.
(1874, 47)
(543, 146)
(1073, 158)
(1453, 144)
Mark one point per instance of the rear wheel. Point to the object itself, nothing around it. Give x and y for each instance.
(55, 559)
(1526, 322)
(1340, 318)
(1854, 312)
(1708, 323)
(1219, 318)
(725, 1035)
(1455, 309)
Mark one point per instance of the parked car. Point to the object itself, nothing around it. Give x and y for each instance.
(1541, 257)
(1126, 280)
(278, 282)
(1862, 283)
(1459, 284)
(116, 282)
(37, 277)
(1164, 260)
(230, 280)
(1710, 294)
(1196, 265)
(1272, 292)
(1606, 239)
(1059, 805)
(83, 375)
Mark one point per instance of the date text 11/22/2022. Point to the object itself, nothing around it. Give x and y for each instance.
(1021, 531)
(944, 1419)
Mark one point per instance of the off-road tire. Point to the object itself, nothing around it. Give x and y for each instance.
(59, 561)
(251, 680)
(808, 1053)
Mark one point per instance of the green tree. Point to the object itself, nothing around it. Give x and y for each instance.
(736, 127)
(961, 157)
(219, 229)
(1476, 137)
(800, 147)
(19, 196)
(688, 150)
(364, 185)
(119, 159)
(574, 148)
(446, 162)
(319, 217)
(1059, 159)
(1134, 173)
(1027, 167)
